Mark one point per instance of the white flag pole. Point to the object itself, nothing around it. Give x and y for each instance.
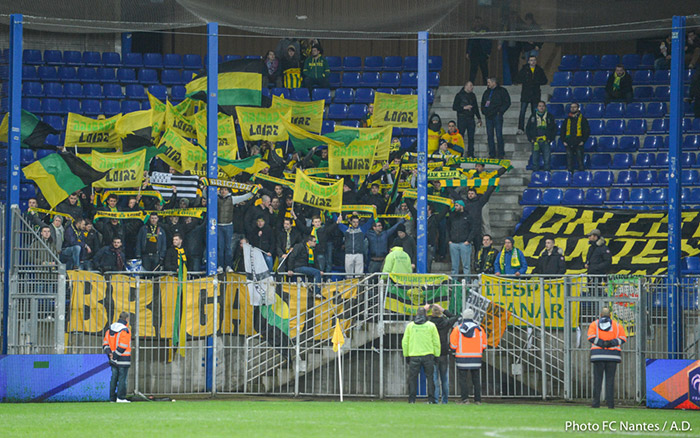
(340, 375)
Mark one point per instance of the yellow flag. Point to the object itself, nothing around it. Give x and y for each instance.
(316, 195)
(125, 170)
(179, 123)
(306, 115)
(263, 123)
(338, 337)
(85, 132)
(353, 159)
(194, 158)
(174, 145)
(4, 127)
(381, 135)
(395, 110)
(157, 117)
(227, 140)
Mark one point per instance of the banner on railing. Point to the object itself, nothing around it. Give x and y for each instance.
(408, 292)
(523, 298)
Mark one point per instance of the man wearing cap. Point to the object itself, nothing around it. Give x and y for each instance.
(461, 233)
(421, 345)
(316, 70)
(598, 261)
(407, 242)
(606, 337)
(510, 261)
(551, 260)
(468, 340)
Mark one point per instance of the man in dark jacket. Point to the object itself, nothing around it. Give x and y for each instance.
(460, 237)
(435, 219)
(467, 107)
(541, 132)
(174, 256)
(302, 260)
(574, 133)
(443, 320)
(354, 242)
(486, 256)
(225, 228)
(263, 238)
(494, 103)
(378, 244)
(151, 244)
(74, 244)
(478, 52)
(286, 238)
(551, 260)
(531, 76)
(619, 86)
(316, 70)
(110, 258)
(71, 206)
(598, 262)
(406, 242)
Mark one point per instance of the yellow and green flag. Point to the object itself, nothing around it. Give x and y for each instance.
(173, 144)
(381, 135)
(157, 117)
(263, 123)
(84, 132)
(33, 132)
(306, 115)
(123, 170)
(227, 140)
(353, 159)
(236, 87)
(303, 140)
(179, 123)
(307, 192)
(395, 110)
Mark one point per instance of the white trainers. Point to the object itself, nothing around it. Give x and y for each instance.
(520, 132)
(122, 400)
(229, 269)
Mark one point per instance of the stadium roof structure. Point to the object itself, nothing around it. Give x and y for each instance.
(559, 21)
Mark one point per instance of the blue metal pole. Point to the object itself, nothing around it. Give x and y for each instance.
(422, 202)
(675, 324)
(14, 126)
(212, 165)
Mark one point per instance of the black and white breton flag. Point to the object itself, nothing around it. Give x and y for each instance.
(187, 185)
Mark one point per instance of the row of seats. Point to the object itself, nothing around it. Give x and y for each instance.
(606, 62)
(606, 178)
(617, 196)
(636, 126)
(614, 110)
(86, 107)
(632, 144)
(600, 78)
(73, 90)
(588, 94)
(643, 160)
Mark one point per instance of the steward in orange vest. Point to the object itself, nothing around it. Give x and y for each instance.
(606, 337)
(468, 340)
(117, 346)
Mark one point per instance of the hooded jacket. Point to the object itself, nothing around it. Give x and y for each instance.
(468, 340)
(606, 337)
(355, 237)
(444, 325)
(435, 131)
(599, 259)
(117, 344)
(551, 263)
(463, 99)
(508, 262)
(421, 338)
(397, 262)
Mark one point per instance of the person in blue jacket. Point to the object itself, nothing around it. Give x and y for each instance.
(510, 261)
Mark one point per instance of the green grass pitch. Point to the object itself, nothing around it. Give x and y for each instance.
(367, 419)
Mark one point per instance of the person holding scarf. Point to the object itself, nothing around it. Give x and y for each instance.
(111, 258)
(510, 261)
(574, 133)
(541, 131)
(619, 86)
(302, 260)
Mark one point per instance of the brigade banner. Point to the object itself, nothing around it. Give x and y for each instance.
(396, 110)
(263, 123)
(227, 140)
(637, 240)
(84, 132)
(523, 299)
(306, 115)
(353, 159)
(309, 193)
(124, 170)
(381, 135)
(140, 215)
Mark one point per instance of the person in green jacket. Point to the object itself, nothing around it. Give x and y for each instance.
(397, 261)
(421, 344)
(316, 70)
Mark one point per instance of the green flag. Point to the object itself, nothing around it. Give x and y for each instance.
(33, 132)
(304, 141)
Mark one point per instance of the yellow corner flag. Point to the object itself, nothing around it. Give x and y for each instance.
(338, 337)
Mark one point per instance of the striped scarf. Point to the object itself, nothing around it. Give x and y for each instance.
(514, 260)
(312, 259)
(181, 264)
(314, 232)
(578, 126)
(616, 82)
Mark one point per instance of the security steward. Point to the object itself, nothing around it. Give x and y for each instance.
(117, 346)
(468, 340)
(606, 337)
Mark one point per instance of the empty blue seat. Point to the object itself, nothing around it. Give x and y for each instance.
(373, 63)
(321, 94)
(227, 58)
(351, 123)
(593, 110)
(531, 197)
(573, 197)
(92, 59)
(557, 110)
(337, 111)
(695, 126)
(153, 60)
(434, 63)
(618, 196)
(405, 91)
(134, 91)
(364, 95)
(645, 160)
(67, 74)
(56, 122)
(90, 107)
(409, 79)
(658, 196)
(635, 110)
(178, 93)
(161, 92)
(126, 76)
(87, 74)
(50, 106)
(581, 79)
(687, 159)
(129, 106)
(603, 178)
(662, 77)
(662, 160)
(328, 126)
(600, 78)
(344, 95)
(192, 62)
(626, 178)
(589, 62)
(597, 127)
(607, 144)
(300, 94)
(694, 196)
(560, 179)
(582, 94)
(643, 77)
(691, 142)
(357, 111)
(646, 178)
(595, 197)
(72, 57)
(631, 61)
(94, 91)
(351, 80)
(569, 62)
(561, 79)
(281, 92)
(171, 77)
(558, 161)
(636, 127)
(110, 107)
(111, 59)
(390, 79)
(642, 94)
(659, 126)
(638, 196)
(32, 89)
(614, 110)
(582, 179)
(410, 63)
(662, 94)
(172, 61)
(622, 161)
(689, 177)
(31, 104)
(70, 106)
(334, 63)
(628, 144)
(253, 57)
(106, 75)
(653, 142)
(45, 73)
(647, 60)
(370, 79)
(540, 179)
(393, 63)
(26, 156)
(334, 80)
(614, 127)
(53, 57)
(608, 62)
(600, 161)
(133, 60)
(148, 76)
(552, 196)
(352, 63)
(31, 57)
(591, 145)
(561, 95)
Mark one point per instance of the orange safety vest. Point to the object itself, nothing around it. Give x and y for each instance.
(117, 344)
(468, 351)
(616, 332)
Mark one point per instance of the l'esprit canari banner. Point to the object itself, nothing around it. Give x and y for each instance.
(263, 123)
(227, 141)
(174, 144)
(353, 159)
(85, 132)
(308, 192)
(306, 115)
(123, 170)
(381, 135)
(395, 110)
(179, 123)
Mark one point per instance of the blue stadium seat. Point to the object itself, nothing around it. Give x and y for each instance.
(573, 197)
(569, 62)
(373, 63)
(607, 144)
(433, 79)
(600, 161)
(608, 62)
(540, 179)
(26, 191)
(132, 60)
(409, 79)
(55, 89)
(694, 196)
(581, 79)
(652, 142)
(691, 142)
(266, 93)
(643, 77)
(410, 63)
(337, 111)
(390, 79)
(661, 77)
(72, 57)
(560, 179)
(334, 80)
(645, 160)
(192, 62)
(71, 106)
(595, 197)
(636, 127)
(328, 126)
(146, 105)
(228, 58)
(662, 160)
(614, 110)
(597, 127)
(603, 178)
(106, 75)
(631, 61)
(53, 57)
(32, 89)
(622, 161)
(658, 196)
(647, 61)
(161, 92)
(153, 60)
(87, 74)
(352, 63)
(134, 91)
(618, 196)
(26, 156)
(111, 59)
(635, 110)
(695, 128)
(600, 78)
(31, 57)
(129, 106)
(393, 63)
(281, 92)
(357, 111)
(110, 107)
(178, 93)
(688, 75)
(434, 63)
(557, 110)
(589, 62)
(50, 106)
(90, 107)
(614, 127)
(300, 94)
(370, 79)
(351, 79)
(561, 79)
(533, 197)
(561, 95)
(92, 59)
(334, 63)
(626, 178)
(126, 76)
(171, 77)
(552, 196)
(364, 95)
(31, 104)
(688, 159)
(45, 73)
(689, 177)
(628, 143)
(558, 161)
(148, 76)
(172, 61)
(658, 126)
(344, 95)
(643, 94)
(94, 91)
(593, 110)
(67, 74)
(646, 178)
(253, 57)
(405, 91)
(662, 94)
(321, 94)
(582, 179)
(582, 94)
(351, 123)
(598, 94)
(55, 122)
(638, 196)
